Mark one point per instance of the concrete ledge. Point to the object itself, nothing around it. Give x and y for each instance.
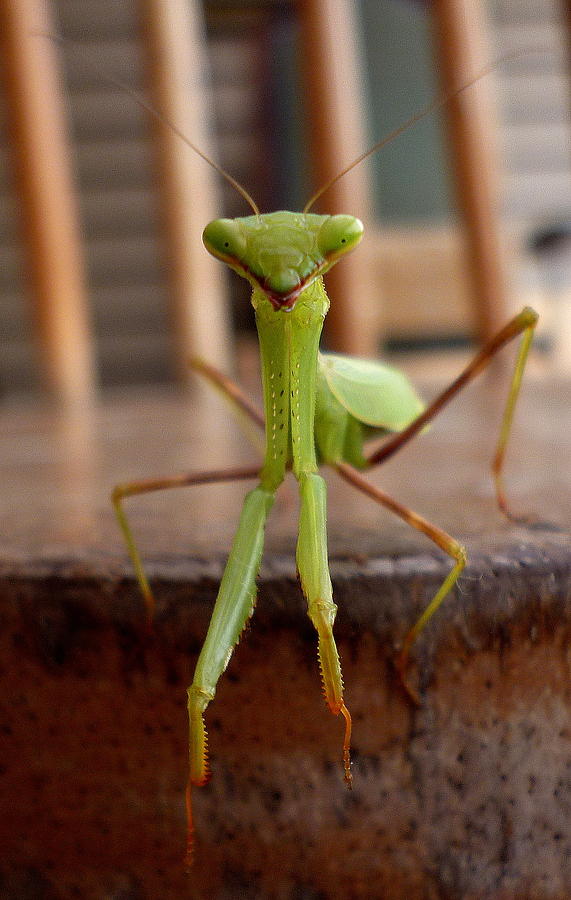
(468, 796)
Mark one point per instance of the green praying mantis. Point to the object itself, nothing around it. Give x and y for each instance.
(319, 409)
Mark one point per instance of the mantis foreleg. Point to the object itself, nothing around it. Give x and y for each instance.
(313, 568)
(234, 605)
(436, 534)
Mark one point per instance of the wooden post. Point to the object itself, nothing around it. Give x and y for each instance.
(174, 42)
(37, 130)
(333, 77)
(459, 35)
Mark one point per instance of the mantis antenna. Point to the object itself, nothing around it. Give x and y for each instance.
(144, 104)
(427, 110)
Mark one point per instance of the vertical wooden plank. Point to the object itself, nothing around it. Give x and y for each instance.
(37, 133)
(175, 45)
(461, 53)
(332, 64)
(562, 348)
(566, 10)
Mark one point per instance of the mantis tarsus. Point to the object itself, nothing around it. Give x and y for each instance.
(319, 409)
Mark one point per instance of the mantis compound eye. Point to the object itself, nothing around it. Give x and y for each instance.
(224, 238)
(338, 234)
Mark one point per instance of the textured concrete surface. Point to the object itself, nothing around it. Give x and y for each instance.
(465, 797)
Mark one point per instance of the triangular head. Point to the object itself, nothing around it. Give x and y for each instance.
(282, 253)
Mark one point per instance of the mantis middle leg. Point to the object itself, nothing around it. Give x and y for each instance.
(522, 324)
(147, 486)
(436, 534)
(245, 409)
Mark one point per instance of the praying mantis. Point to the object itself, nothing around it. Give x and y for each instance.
(319, 409)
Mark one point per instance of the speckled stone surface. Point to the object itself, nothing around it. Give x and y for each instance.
(467, 796)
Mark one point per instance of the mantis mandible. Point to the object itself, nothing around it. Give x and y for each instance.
(319, 409)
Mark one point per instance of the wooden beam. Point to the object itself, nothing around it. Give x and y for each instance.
(460, 53)
(39, 142)
(332, 72)
(174, 40)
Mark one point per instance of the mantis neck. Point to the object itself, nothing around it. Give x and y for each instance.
(289, 343)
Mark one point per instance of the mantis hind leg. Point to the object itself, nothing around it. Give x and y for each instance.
(313, 568)
(245, 411)
(440, 538)
(231, 391)
(523, 324)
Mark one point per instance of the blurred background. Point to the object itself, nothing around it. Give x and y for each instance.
(253, 108)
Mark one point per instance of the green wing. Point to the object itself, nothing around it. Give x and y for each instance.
(372, 392)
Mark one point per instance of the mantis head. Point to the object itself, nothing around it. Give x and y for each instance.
(282, 253)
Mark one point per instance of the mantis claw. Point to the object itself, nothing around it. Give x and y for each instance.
(198, 700)
(348, 778)
(189, 855)
(332, 683)
(199, 770)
